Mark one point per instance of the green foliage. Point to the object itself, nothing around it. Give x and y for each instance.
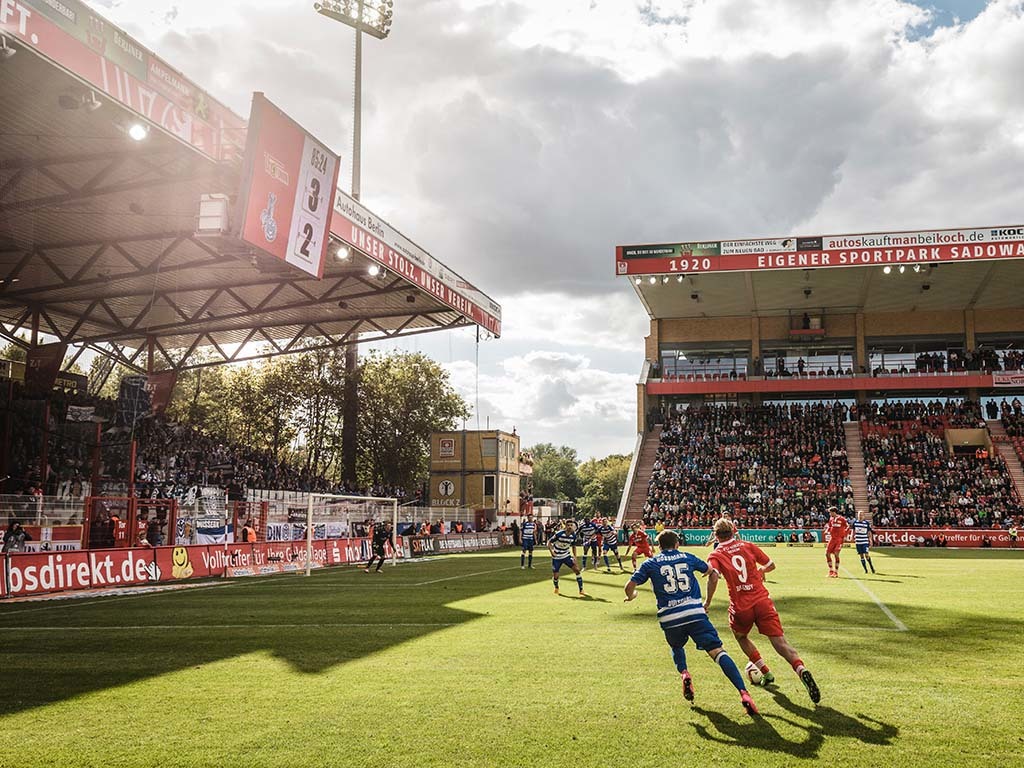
(554, 472)
(403, 398)
(12, 351)
(294, 407)
(602, 481)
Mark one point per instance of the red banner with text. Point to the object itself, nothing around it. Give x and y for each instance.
(967, 538)
(822, 251)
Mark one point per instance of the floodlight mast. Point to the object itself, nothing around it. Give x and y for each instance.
(374, 18)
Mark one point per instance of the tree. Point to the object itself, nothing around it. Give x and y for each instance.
(14, 351)
(403, 398)
(603, 481)
(554, 472)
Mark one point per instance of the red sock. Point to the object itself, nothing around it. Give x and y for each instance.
(798, 665)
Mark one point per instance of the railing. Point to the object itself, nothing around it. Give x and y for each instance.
(627, 489)
(41, 510)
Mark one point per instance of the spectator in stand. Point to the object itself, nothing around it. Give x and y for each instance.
(914, 480)
(15, 538)
(762, 466)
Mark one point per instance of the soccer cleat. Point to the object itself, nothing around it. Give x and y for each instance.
(748, 703)
(366, 570)
(583, 594)
(556, 590)
(767, 678)
(810, 685)
(687, 686)
(522, 567)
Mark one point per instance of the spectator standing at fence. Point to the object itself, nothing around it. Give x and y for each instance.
(248, 532)
(15, 538)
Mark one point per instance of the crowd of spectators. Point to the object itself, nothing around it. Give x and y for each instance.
(914, 479)
(172, 459)
(1012, 414)
(767, 466)
(981, 359)
(962, 414)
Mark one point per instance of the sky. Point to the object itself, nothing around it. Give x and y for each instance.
(520, 140)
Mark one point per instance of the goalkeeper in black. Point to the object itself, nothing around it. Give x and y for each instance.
(380, 539)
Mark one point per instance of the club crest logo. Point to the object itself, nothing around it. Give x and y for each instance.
(268, 220)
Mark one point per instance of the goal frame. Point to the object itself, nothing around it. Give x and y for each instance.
(348, 497)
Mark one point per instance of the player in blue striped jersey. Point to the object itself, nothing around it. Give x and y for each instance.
(610, 541)
(588, 534)
(673, 576)
(561, 545)
(528, 534)
(862, 540)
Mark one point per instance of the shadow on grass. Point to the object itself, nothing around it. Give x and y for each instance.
(53, 652)
(758, 732)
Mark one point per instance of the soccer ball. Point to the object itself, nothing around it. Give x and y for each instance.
(753, 673)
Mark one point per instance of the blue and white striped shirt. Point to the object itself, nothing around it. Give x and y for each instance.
(561, 544)
(862, 531)
(673, 577)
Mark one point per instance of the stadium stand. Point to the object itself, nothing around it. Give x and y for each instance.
(917, 478)
(171, 457)
(767, 466)
(784, 465)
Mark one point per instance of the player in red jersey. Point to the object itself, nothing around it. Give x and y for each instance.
(743, 565)
(835, 529)
(640, 544)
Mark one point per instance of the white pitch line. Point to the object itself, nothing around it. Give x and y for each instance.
(463, 576)
(900, 626)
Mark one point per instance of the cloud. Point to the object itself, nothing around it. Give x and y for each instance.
(554, 397)
(520, 140)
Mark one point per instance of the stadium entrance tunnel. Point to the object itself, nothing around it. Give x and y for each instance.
(53, 652)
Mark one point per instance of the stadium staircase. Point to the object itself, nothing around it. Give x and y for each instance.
(1004, 445)
(858, 474)
(642, 478)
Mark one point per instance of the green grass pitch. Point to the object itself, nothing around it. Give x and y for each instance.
(469, 661)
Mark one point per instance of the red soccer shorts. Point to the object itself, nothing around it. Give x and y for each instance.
(833, 549)
(762, 613)
(645, 551)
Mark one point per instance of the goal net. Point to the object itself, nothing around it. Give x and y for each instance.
(330, 516)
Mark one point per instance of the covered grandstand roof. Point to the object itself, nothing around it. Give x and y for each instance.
(98, 233)
(725, 279)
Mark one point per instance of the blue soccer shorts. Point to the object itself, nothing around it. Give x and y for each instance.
(862, 549)
(556, 564)
(527, 545)
(704, 635)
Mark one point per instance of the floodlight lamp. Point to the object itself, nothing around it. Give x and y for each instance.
(373, 270)
(343, 253)
(6, 51)
(652, 279)
(680, 278)
(886, 269)
(138, 131)
(638, 280)
(91, 103)
(902, 269)
(664, 280)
